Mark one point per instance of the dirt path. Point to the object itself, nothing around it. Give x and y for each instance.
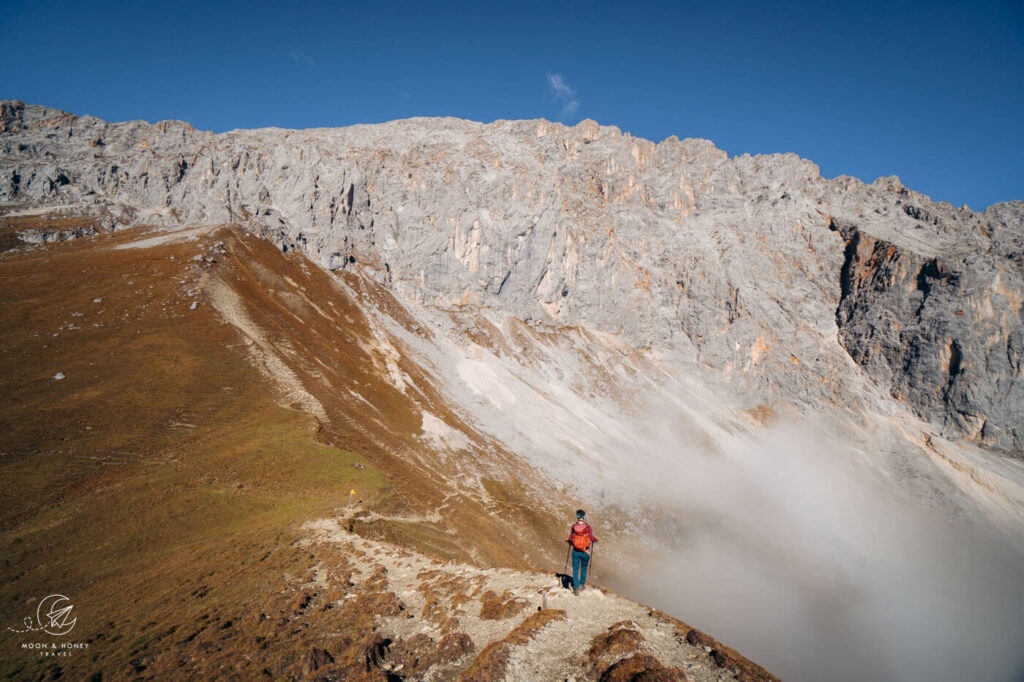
(439, 599)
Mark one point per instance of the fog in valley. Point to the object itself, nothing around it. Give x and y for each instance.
(813, 561)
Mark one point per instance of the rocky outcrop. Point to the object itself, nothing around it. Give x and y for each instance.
(943, 333)
(724, 266)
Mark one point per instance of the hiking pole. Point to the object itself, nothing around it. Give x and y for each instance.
(568, 552)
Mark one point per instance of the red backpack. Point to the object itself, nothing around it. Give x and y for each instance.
(580, 537)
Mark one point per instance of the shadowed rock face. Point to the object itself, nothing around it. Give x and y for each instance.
(745, 271)
(944, 333)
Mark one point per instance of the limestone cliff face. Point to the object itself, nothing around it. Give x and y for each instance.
(944, 333)
(755, 272)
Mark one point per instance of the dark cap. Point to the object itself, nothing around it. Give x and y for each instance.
(580, 513)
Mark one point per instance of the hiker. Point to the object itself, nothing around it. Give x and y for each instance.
(581, 538)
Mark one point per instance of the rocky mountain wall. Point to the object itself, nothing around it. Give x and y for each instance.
(944, 333)
(755, 272)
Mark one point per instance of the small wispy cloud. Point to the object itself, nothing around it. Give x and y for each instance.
(564, 94)
(300, 57)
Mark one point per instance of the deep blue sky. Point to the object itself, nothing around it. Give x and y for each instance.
(930, 91)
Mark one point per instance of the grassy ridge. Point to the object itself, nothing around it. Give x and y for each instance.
(159, 484)
(162, 484)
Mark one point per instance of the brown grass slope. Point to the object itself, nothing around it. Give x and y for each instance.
(161, 483)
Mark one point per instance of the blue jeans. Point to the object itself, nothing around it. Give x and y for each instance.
(580, 562)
